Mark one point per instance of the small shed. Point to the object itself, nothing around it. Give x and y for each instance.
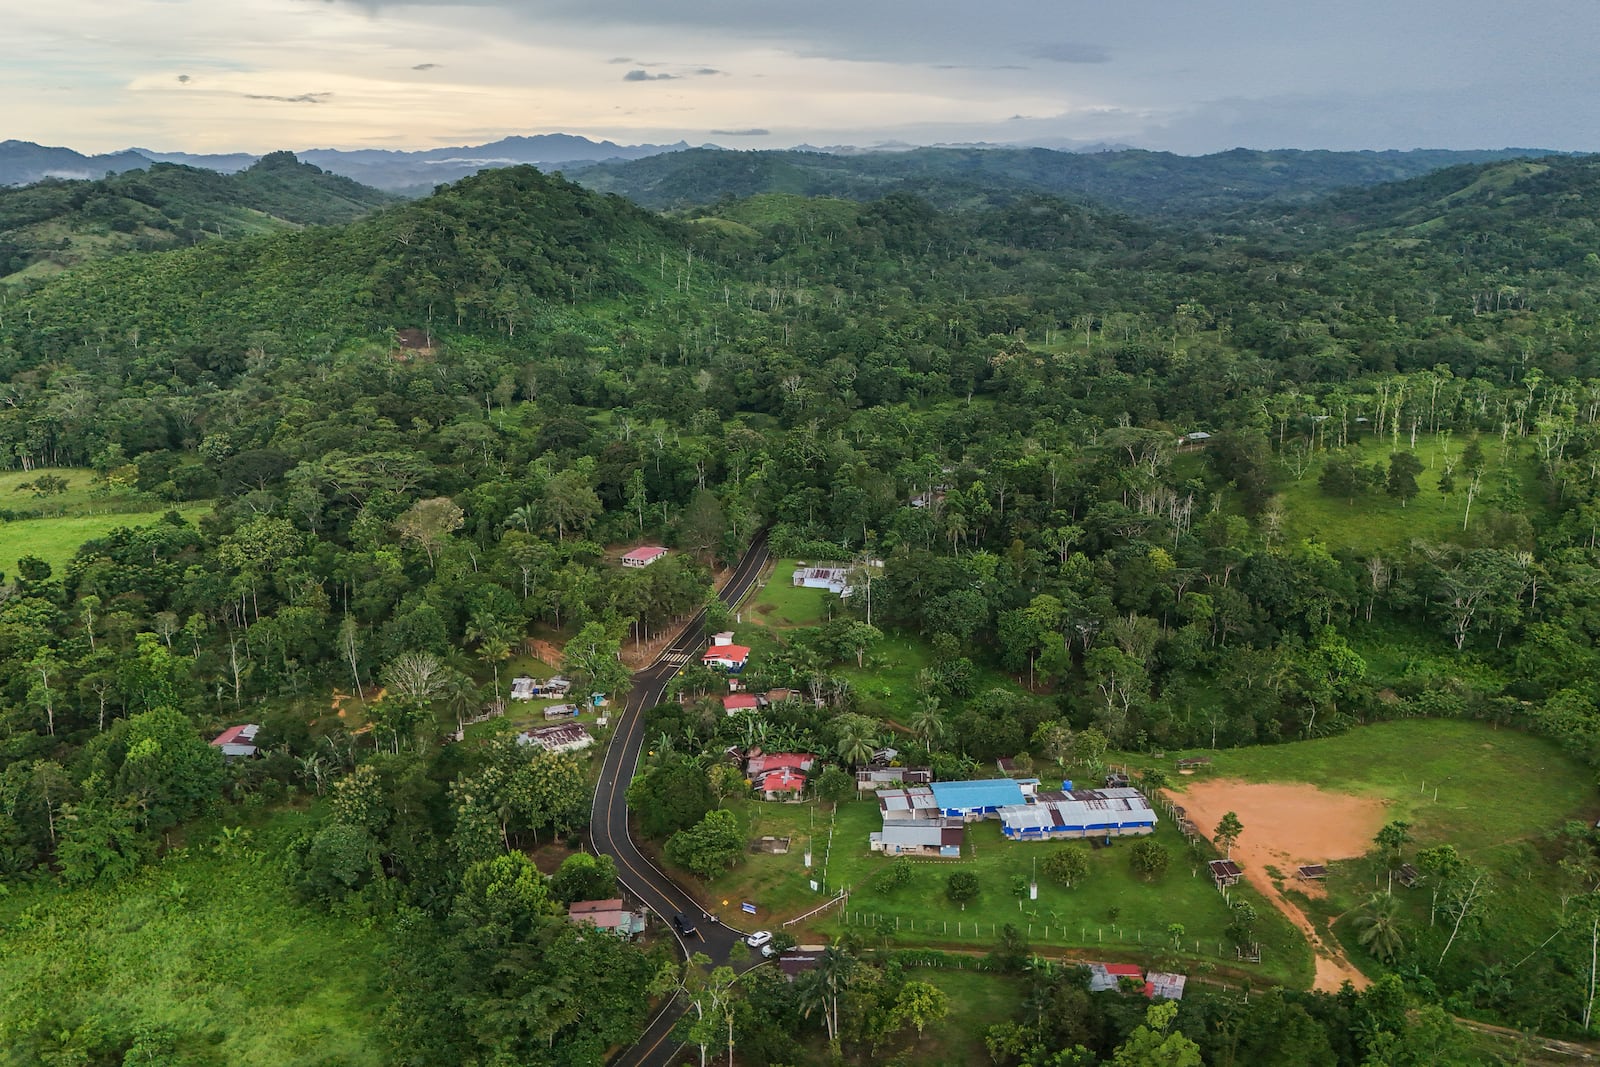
(1225, 873)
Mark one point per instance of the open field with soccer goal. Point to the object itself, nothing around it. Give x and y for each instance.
(1497, 796)
(58, 522)
(203, 958)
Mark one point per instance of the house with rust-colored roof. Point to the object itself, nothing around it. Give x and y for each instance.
(643, 556)
(238, 742)
(611, 915)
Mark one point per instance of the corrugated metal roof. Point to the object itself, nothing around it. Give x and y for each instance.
(975, 795)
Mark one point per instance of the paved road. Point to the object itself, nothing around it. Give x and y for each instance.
(608, 824)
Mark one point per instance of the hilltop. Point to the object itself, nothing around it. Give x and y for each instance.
(57, 223)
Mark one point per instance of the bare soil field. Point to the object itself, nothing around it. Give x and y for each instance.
(1285, 826)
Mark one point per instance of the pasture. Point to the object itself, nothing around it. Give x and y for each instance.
(204, 958)
(53, 526)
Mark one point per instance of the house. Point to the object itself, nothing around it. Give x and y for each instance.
(835, 579)
(785, 783)
(1107, 977)
(526, 688)
(522, 688)
(879, 777)
(1081, 813)
(920, 837)
(643, 556)
(904, 805)
(734, 703)
(794, 963)
(1165, 985)
(238, 742)
(610, 915)
(562, 711)
(730, 658)
(567, 737)
(761, 763)
(979, 799)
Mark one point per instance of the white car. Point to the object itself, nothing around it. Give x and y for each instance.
(759, 938)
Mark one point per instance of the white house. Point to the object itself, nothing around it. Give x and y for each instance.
(643, 556)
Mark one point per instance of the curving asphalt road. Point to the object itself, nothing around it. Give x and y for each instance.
(608, 823)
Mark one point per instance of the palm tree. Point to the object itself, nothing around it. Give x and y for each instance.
(927, 722)
(822, 986)
(857, 739)
(1379, 927)
(493, 637)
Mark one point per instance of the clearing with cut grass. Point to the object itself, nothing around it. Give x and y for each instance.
(52, 526)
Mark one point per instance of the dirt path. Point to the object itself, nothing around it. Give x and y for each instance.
(1286, 826)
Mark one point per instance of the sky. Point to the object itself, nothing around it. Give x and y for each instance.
(257, 75)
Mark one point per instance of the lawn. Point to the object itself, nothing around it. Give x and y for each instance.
(68, 519)
(1377, 520)
(780, 603)
(920, 914)
(205, 955)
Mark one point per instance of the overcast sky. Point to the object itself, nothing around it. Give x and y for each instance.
(254, 75)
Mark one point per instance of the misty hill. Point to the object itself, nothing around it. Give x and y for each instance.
(23, 162)
(1158, 183)
(55, 224)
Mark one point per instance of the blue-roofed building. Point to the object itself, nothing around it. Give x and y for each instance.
(980, 799)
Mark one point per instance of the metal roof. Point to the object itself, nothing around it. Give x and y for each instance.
(976, 795)
(1080, 809)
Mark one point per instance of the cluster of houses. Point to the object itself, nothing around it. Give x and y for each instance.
(525, 688)
(929, 820)
(1109, 977)
(775, 775)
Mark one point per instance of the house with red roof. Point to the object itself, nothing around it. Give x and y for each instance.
(761, 763)
(737, 702)
(643, 556)
(785, 783)
(730, 658)
(611, 915)
(238, 742)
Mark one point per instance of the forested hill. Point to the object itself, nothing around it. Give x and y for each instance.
(1157, 183)
(490, 254)
(54, 224)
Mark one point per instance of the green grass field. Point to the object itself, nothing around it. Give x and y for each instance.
(68, 519)
(1377, 520)
(920, 914)
(206, 956)
(779, 603)
(1494, 794)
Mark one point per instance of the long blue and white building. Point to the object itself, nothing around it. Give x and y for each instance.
(1080, 813)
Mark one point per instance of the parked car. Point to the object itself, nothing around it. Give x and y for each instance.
(684, 924)
(759, 938)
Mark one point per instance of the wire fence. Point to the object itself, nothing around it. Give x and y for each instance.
(1066, 933)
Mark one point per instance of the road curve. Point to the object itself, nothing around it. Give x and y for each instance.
(608, 822)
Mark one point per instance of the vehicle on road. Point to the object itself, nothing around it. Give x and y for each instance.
(685, 925)
(759, 938)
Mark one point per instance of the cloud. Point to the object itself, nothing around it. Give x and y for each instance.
(637, 75)
(620, 59)
(752, 132)
(184, 79)
(1071, 52)
(706, 71)
(426, 66)
(303, 98)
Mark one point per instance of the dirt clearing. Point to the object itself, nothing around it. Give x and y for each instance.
(1285, 826)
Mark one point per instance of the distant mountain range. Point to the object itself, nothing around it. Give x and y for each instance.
(22, 162)
(679, 175)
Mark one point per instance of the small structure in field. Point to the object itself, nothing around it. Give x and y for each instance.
(1407, 875)
(643, 556)
(1190, 763)
(1107, 977)
(566, 737)
(562, 711)
(238, 742)
(834, 578)
(1311, 872)
(1165, 985)
(609, 915)
(920, 837)
(1225, 873)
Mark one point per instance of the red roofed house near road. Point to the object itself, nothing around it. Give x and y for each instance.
(238, 741)
(777, 761)
(643, 556)
(730, 658)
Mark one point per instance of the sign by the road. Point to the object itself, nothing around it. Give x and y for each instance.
(748, 908)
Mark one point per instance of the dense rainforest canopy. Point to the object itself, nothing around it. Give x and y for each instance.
(1248, 479)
